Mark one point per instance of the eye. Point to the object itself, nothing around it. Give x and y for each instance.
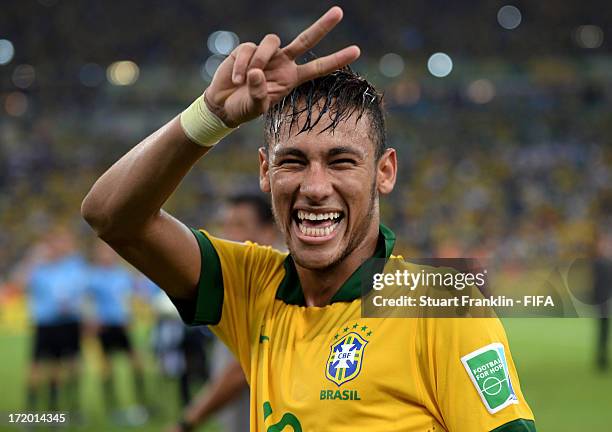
(343, 163)
(291, 161)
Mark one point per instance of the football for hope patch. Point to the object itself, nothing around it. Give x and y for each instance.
(488, 370)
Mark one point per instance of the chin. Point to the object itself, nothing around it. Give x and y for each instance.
(318, 260)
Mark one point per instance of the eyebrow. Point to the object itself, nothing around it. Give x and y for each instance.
(335, 151)
(289, 152)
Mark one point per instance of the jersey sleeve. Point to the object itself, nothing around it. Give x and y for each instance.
(469, 376)
(235, 286)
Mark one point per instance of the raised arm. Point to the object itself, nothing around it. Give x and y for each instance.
(124, 205)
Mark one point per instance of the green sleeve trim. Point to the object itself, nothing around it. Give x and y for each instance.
(518, 425)
(209, 301)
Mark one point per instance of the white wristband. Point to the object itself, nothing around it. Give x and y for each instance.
(201, 125)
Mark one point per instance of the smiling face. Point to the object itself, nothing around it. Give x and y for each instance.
(325, 190)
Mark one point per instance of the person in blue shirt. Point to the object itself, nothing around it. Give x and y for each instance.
(111, 287)
(54, 276)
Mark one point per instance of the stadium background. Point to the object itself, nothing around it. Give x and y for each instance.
(507, 154)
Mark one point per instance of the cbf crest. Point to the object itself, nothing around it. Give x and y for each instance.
(346, 356)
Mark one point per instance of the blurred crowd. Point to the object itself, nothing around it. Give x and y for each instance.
(520, 176)
(61, 33)
(508, 155)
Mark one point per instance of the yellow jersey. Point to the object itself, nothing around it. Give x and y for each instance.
(316, 369)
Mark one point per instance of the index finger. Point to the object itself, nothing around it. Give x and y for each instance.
(313, 34)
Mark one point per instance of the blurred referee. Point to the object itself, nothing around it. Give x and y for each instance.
(111, 287)
(54, 276)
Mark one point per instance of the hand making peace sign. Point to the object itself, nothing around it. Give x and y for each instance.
(254, 77)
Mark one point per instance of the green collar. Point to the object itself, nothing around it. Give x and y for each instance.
(290, 289)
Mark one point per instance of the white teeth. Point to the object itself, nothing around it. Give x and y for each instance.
(317, 216)
(317, 232)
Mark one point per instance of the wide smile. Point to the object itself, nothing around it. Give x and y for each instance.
(316, 226)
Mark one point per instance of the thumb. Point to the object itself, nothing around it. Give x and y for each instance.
(256, 81)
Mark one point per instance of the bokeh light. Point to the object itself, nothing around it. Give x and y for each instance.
(481, 91)
(91, 75)
(210, 66)
(24, 76)
(123, 73)
(222, 42)
(7, 51)
(509, 17)
(16, 104)
(589, 36)
(440, 65)
(391, 65)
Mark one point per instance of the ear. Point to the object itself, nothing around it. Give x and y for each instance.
(264, 179)
(386, 171)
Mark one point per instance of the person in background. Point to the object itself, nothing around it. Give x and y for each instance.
(180, 351)
(111, 287)
(246, 217)
(602, 287)
(54, 277)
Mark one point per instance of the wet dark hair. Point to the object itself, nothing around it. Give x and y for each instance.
(338, 95)
(258, 202)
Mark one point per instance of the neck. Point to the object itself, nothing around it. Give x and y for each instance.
(320, 286)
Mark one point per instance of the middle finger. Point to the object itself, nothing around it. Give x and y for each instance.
(267, 48)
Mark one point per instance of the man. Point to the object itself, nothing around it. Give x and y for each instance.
(286, 316)
(181, 351)
(111, 287)
(602, 292)
(54, 276)
(247, 217)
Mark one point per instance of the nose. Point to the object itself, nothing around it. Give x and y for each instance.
(316, 185)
